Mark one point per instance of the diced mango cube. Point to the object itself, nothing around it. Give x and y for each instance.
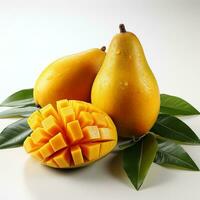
(91, 150)
(61, 104)
(34, 121)
(58, 142)
(106, 134)
(50, 125)
(112, 127)
(46, 150)
(85, 119)
(91, 133)
(50, 162)
(29, 145)
(49, 110)
(74, 132)
(110, 122)
(39, 135)
(37, 155)
(78, 107)
(99, 119)
(77, 155)
(67, 115)
(106, 147)
(63, 158)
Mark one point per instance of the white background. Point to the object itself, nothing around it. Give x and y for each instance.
(35, 33)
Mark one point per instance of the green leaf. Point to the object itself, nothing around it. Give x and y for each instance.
(138, 158)
(174, 156)
(21, 98)
(17, 112)
(172, 128)
(173, 105)
(14, 134)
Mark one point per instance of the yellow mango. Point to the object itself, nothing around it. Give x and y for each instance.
(125, 87)
(73, 134)
(70, 77)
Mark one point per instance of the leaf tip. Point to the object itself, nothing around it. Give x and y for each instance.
(138, 187)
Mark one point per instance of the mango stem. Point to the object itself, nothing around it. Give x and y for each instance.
(122, 28)
(37, 105)
(103, 48)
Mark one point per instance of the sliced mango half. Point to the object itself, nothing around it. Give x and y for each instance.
(73, 135)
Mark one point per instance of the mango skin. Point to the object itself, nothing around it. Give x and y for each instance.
(125, 87)
(69, 77)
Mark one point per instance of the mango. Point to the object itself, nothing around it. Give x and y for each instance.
(70, 77)
(73, 134)
(127, 86)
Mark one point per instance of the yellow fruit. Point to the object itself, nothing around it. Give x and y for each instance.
(74, 135)
(69, 77)
(125, 87)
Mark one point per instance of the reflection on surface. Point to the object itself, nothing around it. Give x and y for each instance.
(48, 183)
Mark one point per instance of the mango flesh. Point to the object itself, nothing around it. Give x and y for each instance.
(70, 77)
(128, 87)
(73, 135)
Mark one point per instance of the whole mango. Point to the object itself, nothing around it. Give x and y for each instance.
(70, 77)
(126, 88)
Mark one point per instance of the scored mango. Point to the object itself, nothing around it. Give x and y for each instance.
(73, 135)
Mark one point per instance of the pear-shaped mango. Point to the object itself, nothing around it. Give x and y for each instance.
(125, 87)
(69, 77)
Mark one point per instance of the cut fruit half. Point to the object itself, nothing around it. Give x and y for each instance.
(74, 135)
